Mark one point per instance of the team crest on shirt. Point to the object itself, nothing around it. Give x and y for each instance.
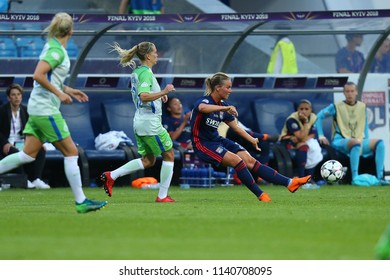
(219, 150)
(55, 55)
(294, 125)
(144, 84)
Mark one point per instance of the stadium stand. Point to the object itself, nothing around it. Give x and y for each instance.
(7, 47)
(72, 49)
(29, 46)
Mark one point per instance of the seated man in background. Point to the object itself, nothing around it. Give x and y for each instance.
(348, 58)
(299, 133)
(350, 132)
(381, 62)
(13, 118)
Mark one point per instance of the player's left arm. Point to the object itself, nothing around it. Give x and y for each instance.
(243, 134)
(366, 131)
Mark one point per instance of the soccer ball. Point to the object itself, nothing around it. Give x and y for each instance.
(332, 171)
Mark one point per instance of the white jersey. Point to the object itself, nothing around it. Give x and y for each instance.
(43, 102)
(147, 118)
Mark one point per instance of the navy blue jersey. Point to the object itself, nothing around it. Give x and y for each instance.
(352, 61)
(171, 124)
(204, 126)
(293, 126)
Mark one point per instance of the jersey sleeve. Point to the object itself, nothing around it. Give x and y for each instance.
(145, 82)
(292, 125)
(328, 111)
(53, 56)
(168, 123)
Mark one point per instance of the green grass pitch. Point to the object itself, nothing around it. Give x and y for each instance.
(221, 223)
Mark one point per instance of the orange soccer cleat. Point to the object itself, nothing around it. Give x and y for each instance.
(297, 182)
(264, 197)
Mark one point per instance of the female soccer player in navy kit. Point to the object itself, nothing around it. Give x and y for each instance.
(209, 111)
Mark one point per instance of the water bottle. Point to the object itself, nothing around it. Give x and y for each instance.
(185, 186)
(210, 175)
(204, 178)
(184, 179)
(229, 176)
(197, 177)
(190, 174)
(151, 186)
(184, 175)
(310, 186)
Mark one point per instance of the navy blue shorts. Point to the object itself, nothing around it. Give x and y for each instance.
(213, 152)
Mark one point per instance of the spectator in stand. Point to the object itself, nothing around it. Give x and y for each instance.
(141, 7)
(177, 123)
(348, 58)
(381, 62)
(13, 118)
(154, 7)
(299, 133)
(283, 58)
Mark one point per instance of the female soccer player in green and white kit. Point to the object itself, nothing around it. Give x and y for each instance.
(45, 123)
(152, 138)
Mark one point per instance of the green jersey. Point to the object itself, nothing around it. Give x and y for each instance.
(147, 118)
(43, 102)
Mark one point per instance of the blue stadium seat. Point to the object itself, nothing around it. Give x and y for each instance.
(93, 162)
(72, 48)
(7, 47)
(7, 26)
(28, 26)
(270, 115)
(29, 46)
(118, 115)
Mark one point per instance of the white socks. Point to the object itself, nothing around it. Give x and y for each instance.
(166, 174)
(130, 167)
(72, 172)
(14, 160)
